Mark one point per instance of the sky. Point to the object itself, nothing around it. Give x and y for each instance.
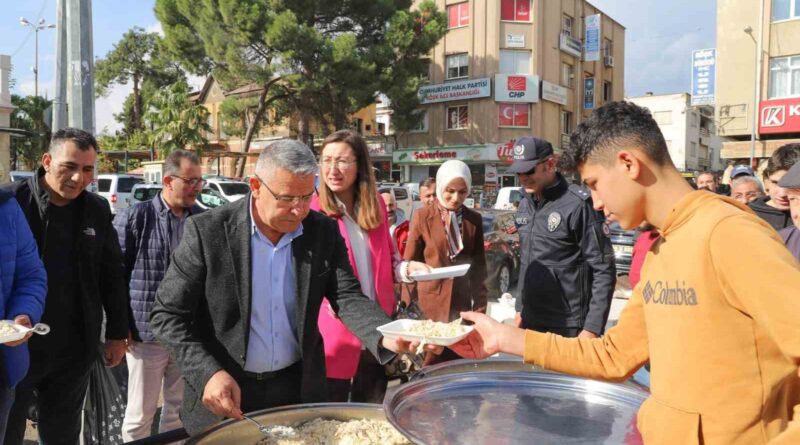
(659, 39)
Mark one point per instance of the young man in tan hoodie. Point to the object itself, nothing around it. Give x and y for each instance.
(716, 312)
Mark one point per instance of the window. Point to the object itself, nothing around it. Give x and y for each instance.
(422, 126)
(784, 77)
(457, 66)
(515, 10)
(566, 122)
(785, 9)
(457, 117)
(663, 117)
(693, 120)
(458, 15)
(608, 48)
(607, 91)
(400, 193)
(692, 149)
(566, 25)
(426, 77)
(513, 115)
(103, 185)
(515, 62)
(124, 185)
(567, 75)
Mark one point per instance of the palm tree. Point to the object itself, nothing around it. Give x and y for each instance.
(176, 122)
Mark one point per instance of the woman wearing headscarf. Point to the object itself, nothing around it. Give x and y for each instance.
(447, 234)
(348, 194)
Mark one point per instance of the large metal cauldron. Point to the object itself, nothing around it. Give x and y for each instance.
(514, 408)
(241, 432)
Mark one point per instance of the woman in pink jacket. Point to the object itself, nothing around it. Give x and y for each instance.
(348, 193)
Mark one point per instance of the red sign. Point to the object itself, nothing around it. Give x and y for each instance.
(458, 15)
(517, 83)
(505, 152)
(515, 10)
(779, 116)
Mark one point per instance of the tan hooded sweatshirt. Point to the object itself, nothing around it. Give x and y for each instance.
(717, 313)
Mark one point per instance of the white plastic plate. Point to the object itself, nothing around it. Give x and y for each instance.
(400, 329)
(441, 272)
(21, 331)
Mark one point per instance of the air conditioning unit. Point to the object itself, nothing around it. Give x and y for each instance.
(608, 61)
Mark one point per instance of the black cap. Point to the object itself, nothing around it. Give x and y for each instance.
(791, 180)
(528, 153)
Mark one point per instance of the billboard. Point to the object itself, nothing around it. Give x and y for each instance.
(703, 76)
(588, 93)
(779, 116)
(463, 89)
(516, 88)
(592, 38)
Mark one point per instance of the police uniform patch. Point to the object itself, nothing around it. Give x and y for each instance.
(521, 220)
(606, 230)
(553, 221)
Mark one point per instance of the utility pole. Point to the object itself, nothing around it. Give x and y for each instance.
(74, 66)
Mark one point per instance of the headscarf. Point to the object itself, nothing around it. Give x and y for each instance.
(451, 219)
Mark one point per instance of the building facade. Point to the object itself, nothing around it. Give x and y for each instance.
(689, 131)
(5, 118)
(508, 69)
(758, 76)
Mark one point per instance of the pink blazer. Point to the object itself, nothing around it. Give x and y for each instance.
(342, 348)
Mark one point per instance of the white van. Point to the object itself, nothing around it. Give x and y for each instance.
(116, 189)
(508, 198)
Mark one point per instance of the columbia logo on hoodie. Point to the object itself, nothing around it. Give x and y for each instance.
(662, 293)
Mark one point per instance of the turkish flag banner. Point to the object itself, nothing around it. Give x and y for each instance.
(506, 115)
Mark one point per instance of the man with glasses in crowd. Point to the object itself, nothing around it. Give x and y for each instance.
(80, 252)
(567, 273)
(239, 304)
(148, 234)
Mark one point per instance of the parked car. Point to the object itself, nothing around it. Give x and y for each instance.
(622, 241)
(501, 243)
(402, 195)
(19, 175)
(230, 188)
(207, 198)
(508, 198)
(116, 189)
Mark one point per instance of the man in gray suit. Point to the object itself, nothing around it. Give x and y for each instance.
(239, 304)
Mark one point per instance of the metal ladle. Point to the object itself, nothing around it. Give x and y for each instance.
(274, 432)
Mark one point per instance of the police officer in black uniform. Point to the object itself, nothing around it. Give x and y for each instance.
(567, 275)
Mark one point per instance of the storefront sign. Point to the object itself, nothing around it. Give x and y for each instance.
(569, 45)
(779, 116)
(554, 93)
(460, 90)
(703, 76)
(588, 93)
(505, 152)
(490, 173)
(516, 88)
(515, 40)
(592, 38)
(438, 155)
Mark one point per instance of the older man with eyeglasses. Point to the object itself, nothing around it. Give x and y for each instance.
(239, 304)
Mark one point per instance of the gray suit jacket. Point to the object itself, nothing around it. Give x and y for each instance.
(202, 309)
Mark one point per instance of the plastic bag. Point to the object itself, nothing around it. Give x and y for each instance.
(104, 407)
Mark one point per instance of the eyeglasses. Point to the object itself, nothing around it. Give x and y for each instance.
(193, 182)
(340, 163)
(287, 200)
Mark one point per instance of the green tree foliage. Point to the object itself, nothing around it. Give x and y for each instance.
(137, 58)
(29, 115)
(323, 59)
(176, 122)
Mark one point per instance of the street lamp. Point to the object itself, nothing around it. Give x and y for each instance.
(757, 80)
(36, 27)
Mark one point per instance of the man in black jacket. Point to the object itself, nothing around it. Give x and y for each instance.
(81, 255)
(567, 273)
(774, 208)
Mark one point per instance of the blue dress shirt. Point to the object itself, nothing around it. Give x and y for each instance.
(273, 343)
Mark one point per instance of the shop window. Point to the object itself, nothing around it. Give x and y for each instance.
(515, 10)
(514, 115)
(457, 117)
(458, 15)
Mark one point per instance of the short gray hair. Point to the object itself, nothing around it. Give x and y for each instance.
(742, 179)
(172, 165)
(288, 154)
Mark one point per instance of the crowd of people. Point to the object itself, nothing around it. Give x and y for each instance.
(275, 299)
